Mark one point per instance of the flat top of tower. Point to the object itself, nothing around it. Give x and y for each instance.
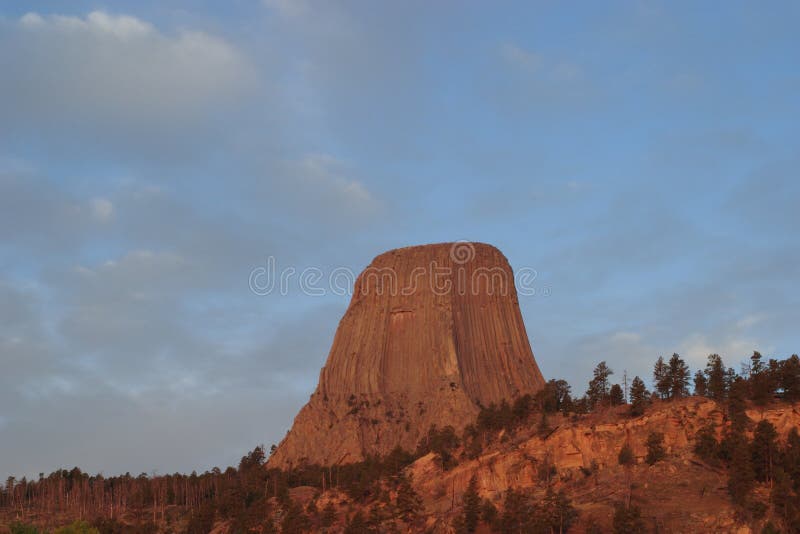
(456, 250)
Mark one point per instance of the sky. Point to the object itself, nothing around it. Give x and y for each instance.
(640, 156)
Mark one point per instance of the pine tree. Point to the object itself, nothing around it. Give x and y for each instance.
(488, 512)
(553, 396)
(661, 378)
(518, 513)
(599, 386)
(615, 395)
(762, 383)
(716, 374)
(639, 395)
(730, 377)
(791, 457)
(785, 501)
(790, 378)
(756, 365)
(678, 377)
(472, 503)
(556, 513)
(628, 519)
(741, 477)
(700, 384)
(764, 450)
(409, 503)
(738, 392)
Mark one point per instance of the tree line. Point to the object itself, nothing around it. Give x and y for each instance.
(759, 381)
(251, 496)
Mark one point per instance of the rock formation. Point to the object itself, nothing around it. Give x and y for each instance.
(431, 332)
(680, 494)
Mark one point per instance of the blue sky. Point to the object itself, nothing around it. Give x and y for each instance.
(641, 156)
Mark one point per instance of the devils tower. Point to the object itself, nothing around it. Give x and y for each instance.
(431, 333)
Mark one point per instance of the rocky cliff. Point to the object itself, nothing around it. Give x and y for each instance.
(431, 332)
(679, 494)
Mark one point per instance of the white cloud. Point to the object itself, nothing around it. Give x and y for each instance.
(328, 176)
(734, 348)
(107, 68)
(139, 270)
(521, 58)
(575, 186)
(750, 320)
(31, 20)
(623, 350)
(530, 80)
(626, 337)
(122, 26)
(567, 71)
(539, 66)
(102, 209)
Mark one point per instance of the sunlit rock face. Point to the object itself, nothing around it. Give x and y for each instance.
(431, 332)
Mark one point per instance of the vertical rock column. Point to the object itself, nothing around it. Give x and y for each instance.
(430, 332)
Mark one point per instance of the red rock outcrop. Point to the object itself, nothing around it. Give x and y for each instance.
(431, 332)
(683, 493)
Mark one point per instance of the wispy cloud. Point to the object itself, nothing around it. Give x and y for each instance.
(106, 67)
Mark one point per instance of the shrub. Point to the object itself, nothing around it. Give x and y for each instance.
(706, 446)
(626, 456)
(78, 527)
(655, 447)
(628, 519)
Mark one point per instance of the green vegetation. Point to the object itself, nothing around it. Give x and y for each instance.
(626, 456)
(661, 380)
(639, 396)
(409, 504)
(521, 513)
(655, 447)
(615, 395)
(22, 528)
(442, 443)
(700, 384)
(706, 446)
(741, 477)
(78, 527)
(671, 379)
(628, 519)
(599, 386)
(678, 376)
(467, 521)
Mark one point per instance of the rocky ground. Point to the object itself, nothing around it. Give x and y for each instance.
(677, 494)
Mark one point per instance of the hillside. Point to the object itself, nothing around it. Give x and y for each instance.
(576, 456)
(431, 415)
(680, 493)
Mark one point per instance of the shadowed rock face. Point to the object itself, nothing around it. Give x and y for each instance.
(431, 331)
